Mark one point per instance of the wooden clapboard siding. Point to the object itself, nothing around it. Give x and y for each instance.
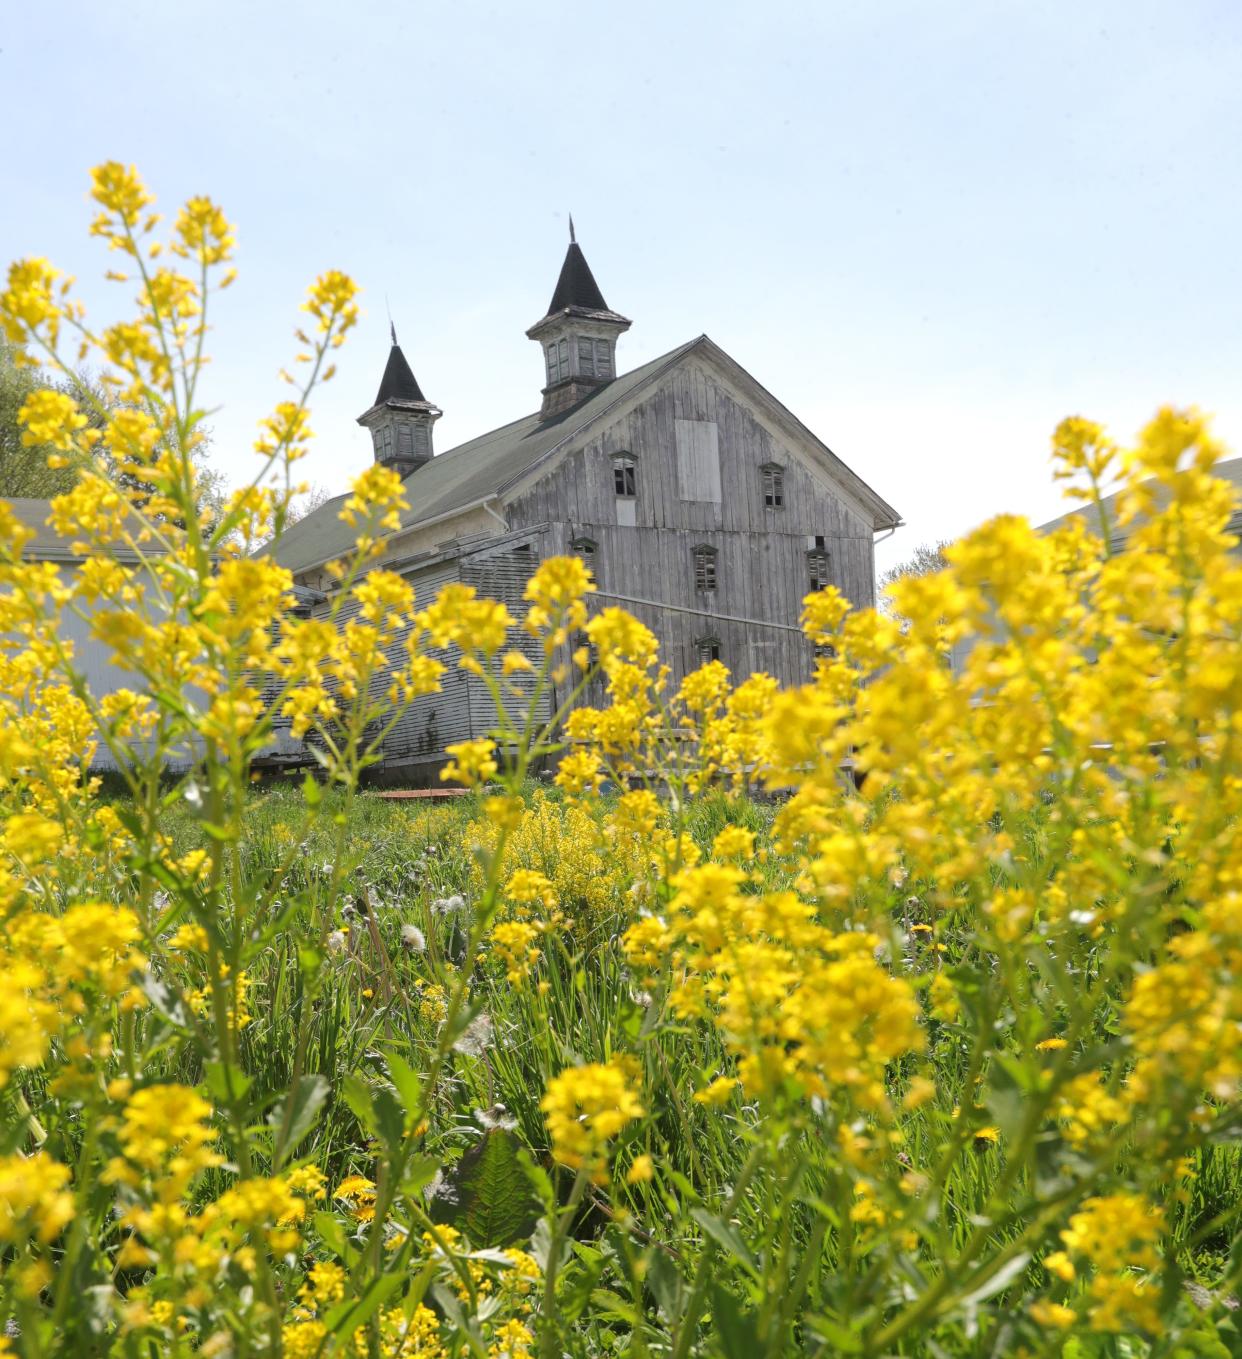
(761, 563)
(463, 708)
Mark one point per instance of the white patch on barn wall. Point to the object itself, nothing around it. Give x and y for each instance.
(625, 513)
(698, 460)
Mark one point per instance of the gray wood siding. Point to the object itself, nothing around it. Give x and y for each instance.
(463, 708)
(761, 562)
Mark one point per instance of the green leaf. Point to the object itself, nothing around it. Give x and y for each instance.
(406, 1081)
(666, 1285)
(419, 1172)
(311, 791)
(331, 1233)
(494, 1205)
(608, 1306)
(225, 1084)
(1004, 1098)
(726, 1235)
(357, 1095)
(840, 1337)
(630, 1016)
(297, 1113)
(579, 1282)
(736, 1328)
(389, 1116)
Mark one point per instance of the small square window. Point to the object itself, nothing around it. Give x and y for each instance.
(817, 563)
(773, 480)
(707, 649)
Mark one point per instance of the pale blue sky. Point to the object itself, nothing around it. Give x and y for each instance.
(931, 229)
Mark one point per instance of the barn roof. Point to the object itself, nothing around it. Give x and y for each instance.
(464, 475)
(48, 545)
(576, 286)
(484, 468)
(1229, 470)
(398, 382)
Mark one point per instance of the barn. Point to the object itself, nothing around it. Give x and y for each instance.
(701, 504)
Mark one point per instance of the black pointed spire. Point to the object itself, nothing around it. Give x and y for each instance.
(398, 382)
(572, 237)
(576, 286)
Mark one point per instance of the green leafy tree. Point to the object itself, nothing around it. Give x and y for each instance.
(23, 468)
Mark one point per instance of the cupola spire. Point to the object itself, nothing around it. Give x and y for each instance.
(401, 417)
(578, 335)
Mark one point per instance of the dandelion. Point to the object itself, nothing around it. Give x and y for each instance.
(358, 1193)
(476, 1037)
(496, 1117)
(412, 939)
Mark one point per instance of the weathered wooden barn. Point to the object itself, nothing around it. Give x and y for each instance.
(700, 503)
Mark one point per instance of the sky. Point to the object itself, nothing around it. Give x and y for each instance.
(931, 229)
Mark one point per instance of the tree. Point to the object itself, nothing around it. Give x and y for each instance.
(926, 558)
(307, 503)
(23, 469)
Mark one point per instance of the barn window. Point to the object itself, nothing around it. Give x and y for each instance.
(817, 562)
(704, 568)
(773, 477)
(624, 476)
(707, 649)
(824, 651)
(603, 359)
(558, 361)
(585, 548)
(587, 648)
(586, 358)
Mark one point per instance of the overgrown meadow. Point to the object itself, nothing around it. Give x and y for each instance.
(895, 1014)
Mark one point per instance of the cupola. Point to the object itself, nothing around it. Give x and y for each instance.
(401, 418)
(578, 336)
